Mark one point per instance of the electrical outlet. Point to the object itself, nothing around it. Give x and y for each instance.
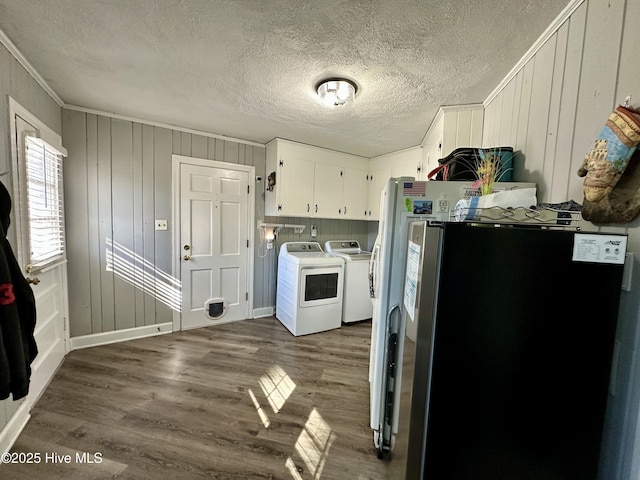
(161, 224)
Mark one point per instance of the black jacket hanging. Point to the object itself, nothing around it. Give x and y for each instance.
(17, 315)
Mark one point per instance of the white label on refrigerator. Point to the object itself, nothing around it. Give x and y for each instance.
(599, 248)
(411, 282)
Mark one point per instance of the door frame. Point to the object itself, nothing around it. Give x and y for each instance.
(18, 413)
(19, 205)
(177, 162)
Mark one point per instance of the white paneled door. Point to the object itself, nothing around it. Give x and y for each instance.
(214, 242)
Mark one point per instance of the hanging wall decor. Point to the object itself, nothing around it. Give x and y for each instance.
(611, 177)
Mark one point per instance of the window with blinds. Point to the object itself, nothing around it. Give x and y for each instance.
(45, 203)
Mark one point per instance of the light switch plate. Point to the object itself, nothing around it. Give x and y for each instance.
(161, 224)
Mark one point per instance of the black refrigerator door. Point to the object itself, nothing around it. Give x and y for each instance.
(522, 356)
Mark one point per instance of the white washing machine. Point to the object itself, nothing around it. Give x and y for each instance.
(309, 288)
(356, 301)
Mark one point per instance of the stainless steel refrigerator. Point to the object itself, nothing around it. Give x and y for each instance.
(507, 341)
(402, 200)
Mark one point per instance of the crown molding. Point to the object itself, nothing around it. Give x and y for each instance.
(546, 35)
(160, 124)
(17, 54)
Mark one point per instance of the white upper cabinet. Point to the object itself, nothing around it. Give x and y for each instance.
(340, 192)
(453, 127)
(292, 169)
(378, 177)
(405, 163)
(318, 182)
(355, 194)
(327, 191)
(315, 182)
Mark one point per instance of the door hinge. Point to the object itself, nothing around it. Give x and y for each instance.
(246, 296)
(248, 189)
(281, 163)
(247, 243)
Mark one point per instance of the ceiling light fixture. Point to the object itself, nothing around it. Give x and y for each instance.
(335, 92)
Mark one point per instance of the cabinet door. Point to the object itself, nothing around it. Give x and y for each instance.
(355, 194)
(405, 167)
(296, 187)
(327, 191)
(377, 181)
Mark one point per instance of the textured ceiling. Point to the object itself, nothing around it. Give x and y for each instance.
(247, 68)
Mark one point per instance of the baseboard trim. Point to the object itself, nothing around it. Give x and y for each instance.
(11, 431)
(106, 338)
(263, 312)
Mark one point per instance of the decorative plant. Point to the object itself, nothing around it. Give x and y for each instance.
(488, 169)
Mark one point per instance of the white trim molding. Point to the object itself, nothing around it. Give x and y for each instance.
(160, 124)
(546, 35)
(106, 338)
(17, 54)
(264, 312)
(11, 431)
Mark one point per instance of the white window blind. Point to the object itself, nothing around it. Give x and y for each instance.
(45, 203)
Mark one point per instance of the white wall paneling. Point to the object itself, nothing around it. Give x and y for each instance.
(118, 176)
(453, 127)
(557, 102)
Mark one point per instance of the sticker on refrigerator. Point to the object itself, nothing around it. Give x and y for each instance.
(422, 207)
(599, 248)
(414, 189)
(411, 281)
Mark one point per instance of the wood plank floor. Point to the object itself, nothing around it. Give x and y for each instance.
(235, 401)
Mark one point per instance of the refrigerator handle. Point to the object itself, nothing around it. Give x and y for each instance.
(373, 265)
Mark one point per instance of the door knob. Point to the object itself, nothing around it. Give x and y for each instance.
(33, 281)
(187, 257)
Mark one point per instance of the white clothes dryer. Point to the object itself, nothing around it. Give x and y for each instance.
(309, 288)
(356, 301)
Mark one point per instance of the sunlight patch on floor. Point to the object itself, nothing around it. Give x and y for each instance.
(312, 447)
(277, 387)
(261, 413)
